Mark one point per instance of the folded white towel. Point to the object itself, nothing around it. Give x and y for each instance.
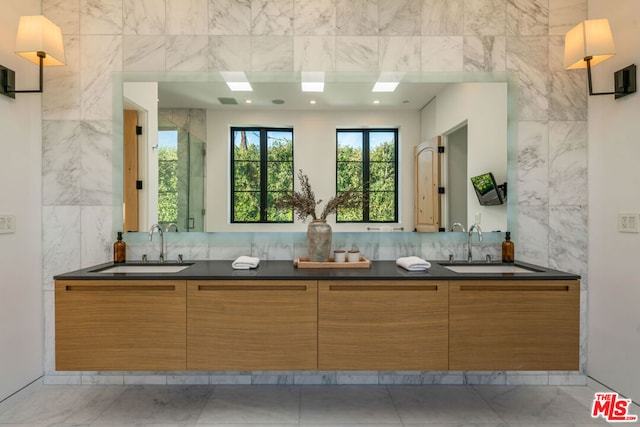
(413, 263)
(245, 263)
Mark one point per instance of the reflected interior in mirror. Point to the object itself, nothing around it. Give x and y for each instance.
(344, 99)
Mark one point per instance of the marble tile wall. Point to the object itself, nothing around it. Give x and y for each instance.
(319, 377)
(522, 37)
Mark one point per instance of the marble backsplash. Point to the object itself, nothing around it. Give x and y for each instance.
(290, 245)
(521, 37)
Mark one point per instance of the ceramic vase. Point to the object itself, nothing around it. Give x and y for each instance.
(319, 240)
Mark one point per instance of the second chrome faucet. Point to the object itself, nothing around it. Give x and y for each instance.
(469, 239)
(155, 227)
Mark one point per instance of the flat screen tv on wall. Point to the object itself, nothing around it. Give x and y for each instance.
(488, 192)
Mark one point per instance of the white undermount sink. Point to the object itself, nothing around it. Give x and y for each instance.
(488, 268)
(144, 268)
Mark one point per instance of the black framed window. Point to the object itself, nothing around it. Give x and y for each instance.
(167, 176)
(368, 159)
(261, 169)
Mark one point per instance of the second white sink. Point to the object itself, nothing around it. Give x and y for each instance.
(488, 268)
(144, 268)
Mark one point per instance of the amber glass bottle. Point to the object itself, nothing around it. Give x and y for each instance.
(119, 249)
(507, 249)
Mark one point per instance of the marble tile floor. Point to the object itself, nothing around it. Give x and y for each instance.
(41, 405)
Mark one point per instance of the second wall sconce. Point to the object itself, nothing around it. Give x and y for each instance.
(40, 41)
(590, 43)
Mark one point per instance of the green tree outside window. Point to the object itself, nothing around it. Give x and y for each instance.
(168, 176)
(262, 170)
(367, 158)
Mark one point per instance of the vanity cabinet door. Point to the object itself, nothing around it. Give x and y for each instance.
(120, 325)
(252, 325)
(514, 325)
(382, 325)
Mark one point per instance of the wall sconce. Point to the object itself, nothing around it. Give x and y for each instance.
(590, 43)
(40, 41)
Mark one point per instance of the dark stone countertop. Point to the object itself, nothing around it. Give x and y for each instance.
(285, 270)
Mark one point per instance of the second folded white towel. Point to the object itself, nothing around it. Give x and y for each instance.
(245, 262)
(413, 263)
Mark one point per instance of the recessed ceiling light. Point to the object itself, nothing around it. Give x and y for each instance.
(385, 86)
(248, 101)
(387, 82)
(237, 81)
(313, 86)
(240, 86)
(377, 101)
(312, 81)
(313, 101)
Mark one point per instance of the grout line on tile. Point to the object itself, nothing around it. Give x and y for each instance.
(393, 402)
(22, 389)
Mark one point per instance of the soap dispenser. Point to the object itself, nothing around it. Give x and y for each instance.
(508, 249)
(119, 249)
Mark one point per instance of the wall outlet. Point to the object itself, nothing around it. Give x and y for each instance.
(628, 222)
(7, 223)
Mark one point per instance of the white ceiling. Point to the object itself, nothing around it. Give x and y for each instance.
(340, 95)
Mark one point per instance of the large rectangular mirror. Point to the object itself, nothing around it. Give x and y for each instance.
(181, 169)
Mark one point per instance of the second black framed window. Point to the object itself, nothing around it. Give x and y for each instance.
(367, 159)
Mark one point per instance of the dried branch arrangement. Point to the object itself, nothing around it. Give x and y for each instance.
(304, 202)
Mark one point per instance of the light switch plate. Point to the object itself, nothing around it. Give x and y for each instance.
(7, 223)
(629, 222)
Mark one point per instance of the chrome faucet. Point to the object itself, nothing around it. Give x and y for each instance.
(457, 224)
(479, 230)
(153, 228)
(170, 226)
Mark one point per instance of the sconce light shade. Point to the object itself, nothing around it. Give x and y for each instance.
(589, 43)
(590, 38)
(38, 34)
(39, 41)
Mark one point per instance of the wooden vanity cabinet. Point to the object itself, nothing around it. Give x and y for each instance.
(252, 325)
(120, 325)
(382, 325)
(514, 325)
(378, 325)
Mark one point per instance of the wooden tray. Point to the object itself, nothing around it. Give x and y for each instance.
(305, 263)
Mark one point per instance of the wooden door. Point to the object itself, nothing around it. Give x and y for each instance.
(131, 325)
(252, 325)
(427, 180)
(514, 325)
(382, 325)
(130, 166)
